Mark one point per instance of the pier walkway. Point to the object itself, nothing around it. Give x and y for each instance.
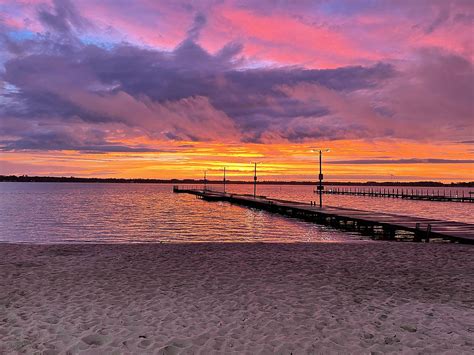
(409, 194)
(378, 225)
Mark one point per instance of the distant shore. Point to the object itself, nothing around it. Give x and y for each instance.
(26, 178)
(361, 297)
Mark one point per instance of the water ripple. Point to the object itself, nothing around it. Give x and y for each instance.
(129, 213)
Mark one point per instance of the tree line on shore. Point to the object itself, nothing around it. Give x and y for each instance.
(26, 178)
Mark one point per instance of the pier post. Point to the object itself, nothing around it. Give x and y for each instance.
(417, 234)
(388, 232)
(428, 232)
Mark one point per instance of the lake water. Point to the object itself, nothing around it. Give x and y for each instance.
(127, 213)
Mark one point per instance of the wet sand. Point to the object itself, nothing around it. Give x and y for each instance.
(361, 297)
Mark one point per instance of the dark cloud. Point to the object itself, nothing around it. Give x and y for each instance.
(93, 141)
(27, 145)
(191, 94)
(78, 83)
(62, 18)
(442, 16)
(197, 26)
(402, 161)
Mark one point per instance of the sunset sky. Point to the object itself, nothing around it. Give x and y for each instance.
(163, 89)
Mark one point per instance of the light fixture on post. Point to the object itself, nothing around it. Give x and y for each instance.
(320, 186)
(255, 178)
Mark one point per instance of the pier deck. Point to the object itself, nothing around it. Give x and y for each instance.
(377, 224)
(404, 193)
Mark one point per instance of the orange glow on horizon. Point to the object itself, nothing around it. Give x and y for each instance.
(282, 161)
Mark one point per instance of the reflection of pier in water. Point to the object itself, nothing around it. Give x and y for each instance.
(378, 225)
(409, 194)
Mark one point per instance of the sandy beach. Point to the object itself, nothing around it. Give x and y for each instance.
(366, 297)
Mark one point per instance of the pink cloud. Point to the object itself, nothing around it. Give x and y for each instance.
(430, 98)
(287, 40)
(288, 34)
(392, 37)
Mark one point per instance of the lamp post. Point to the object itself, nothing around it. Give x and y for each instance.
(255, 178)
(320, 186)
(205, 180)
(224, 179)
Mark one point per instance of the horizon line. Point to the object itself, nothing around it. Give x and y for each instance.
(39, 178)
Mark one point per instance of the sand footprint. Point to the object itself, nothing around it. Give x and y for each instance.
(169, 350)
(95, 339)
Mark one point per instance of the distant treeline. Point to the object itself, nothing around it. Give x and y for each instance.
(26, 178)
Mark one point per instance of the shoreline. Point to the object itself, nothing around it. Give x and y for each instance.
(205, 242)
(52, 179)
(173, 298)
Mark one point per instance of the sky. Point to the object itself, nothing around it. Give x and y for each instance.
(168, 89)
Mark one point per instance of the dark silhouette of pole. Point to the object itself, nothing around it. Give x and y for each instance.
(224, 179)
(255, 180)
(320, 185)
(205, 180)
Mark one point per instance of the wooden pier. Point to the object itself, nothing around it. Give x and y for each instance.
(408, 194)
(376, 224)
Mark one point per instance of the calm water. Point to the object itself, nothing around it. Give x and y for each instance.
(119, 213)
(73, 212)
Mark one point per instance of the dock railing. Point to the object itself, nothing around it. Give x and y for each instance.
(407, 193)
(185, 188)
